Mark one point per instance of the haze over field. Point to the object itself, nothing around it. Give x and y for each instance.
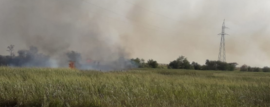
(114, 30)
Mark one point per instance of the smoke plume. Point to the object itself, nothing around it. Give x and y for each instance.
(109, 32)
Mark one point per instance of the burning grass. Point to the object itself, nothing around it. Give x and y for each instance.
(147, 87)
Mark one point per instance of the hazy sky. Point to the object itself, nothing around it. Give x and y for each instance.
(151, 29)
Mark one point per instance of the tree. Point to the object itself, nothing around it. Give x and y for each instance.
(186, 64)
(180, 63)
(222, 66)
(232, 66)
(181, 59)
(249, 69)
(256, 69)
(210, 65)
(10, 50)
(196, 66)
(266, 69)
(244, 68)
(174, 65)
(218, 65)
(139, 62)
(153, 64)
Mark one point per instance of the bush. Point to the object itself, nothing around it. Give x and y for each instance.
(266, 69)
(218, 65)
(256, 69)
(196, 66)
(139, 62)
(244, 68)
(180, 63)
(153, 64)
(174, 65)
(250, 69)
(232, 66)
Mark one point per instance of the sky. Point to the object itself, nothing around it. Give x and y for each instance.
(161, 30)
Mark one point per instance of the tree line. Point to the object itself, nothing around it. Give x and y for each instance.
(183, 63)
(246, 68)
(32, 58)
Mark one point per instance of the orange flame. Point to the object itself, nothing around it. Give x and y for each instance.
(72, 65)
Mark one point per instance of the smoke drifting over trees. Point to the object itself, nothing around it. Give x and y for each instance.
(56, 27)
(26, 58)
(32, 58)
(112, 31)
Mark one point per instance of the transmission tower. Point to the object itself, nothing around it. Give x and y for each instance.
(222, 50)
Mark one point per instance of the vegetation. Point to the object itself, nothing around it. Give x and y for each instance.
(266, 69)
(141, 63)
(246, 68)
(134, 88)
(180, 63)
(196, 66)
(183, 63)
(152, 64)
(218, 65)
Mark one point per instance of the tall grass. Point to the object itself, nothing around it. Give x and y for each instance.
(28, 87)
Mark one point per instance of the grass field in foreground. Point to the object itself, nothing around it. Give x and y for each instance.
(135, 88)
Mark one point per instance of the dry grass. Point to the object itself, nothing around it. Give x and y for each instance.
(135, 88)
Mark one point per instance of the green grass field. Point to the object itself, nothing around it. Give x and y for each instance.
(25, 87)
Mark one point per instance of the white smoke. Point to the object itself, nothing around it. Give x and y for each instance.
(112, 30)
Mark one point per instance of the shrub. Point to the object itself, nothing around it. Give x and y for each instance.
(218, 65)
(180, 63)
(196, 66)
(153, 64)
(266, 69)
(256, 69)
(139, 62)
(244, 68)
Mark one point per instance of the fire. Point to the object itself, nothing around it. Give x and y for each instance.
(72, 65)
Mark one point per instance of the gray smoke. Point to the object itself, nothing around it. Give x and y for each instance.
(110, 31)
(56, 27)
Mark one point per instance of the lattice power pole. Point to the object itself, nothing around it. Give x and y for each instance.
(222, 49)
